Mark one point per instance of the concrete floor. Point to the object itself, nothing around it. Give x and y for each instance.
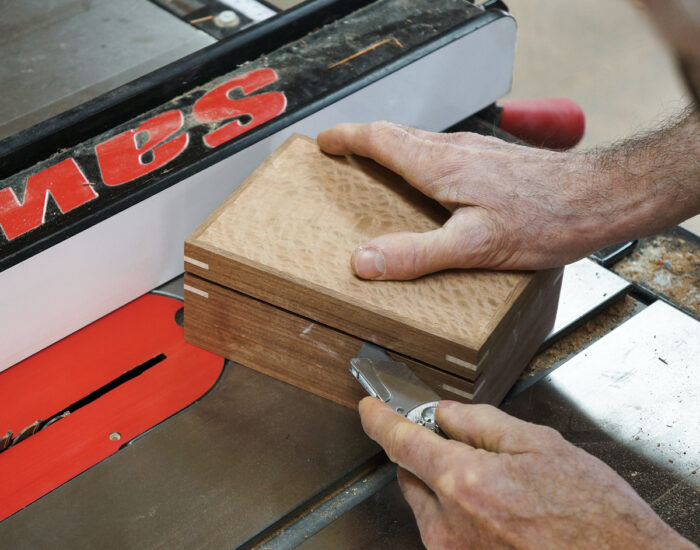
(605, 55)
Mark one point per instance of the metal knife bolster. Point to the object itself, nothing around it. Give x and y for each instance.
(395, 384)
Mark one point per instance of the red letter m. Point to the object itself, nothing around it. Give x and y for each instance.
(66, 184)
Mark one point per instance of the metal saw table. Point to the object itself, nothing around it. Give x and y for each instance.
(253, 462)
(258, 463)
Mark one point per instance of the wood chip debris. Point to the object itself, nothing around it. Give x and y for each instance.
(366, 50)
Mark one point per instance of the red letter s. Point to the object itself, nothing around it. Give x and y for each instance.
(216, 105)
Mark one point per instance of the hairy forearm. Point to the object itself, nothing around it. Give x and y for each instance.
(651, 182)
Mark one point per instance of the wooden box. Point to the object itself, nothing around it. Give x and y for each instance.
(268, 284)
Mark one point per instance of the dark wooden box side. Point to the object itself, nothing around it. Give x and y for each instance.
(291, 348)
(316, 357)
(521, 336)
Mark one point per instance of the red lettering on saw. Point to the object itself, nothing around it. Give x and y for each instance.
(138, 152)
(64, 181)
(121, 158)
(216, 106)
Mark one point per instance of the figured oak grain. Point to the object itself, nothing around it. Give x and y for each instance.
(288, 234)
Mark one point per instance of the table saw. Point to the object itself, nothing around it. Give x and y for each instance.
(125, 124)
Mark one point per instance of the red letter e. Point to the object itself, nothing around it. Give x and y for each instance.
(122, 157)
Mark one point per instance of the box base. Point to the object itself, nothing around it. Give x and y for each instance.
(316, 357)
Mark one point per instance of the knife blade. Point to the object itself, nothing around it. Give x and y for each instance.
(395, 383)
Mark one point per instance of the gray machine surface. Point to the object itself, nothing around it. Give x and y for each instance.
(382, 522)
(631, 399)
(237, 463)
(586, 288)
(58, 54)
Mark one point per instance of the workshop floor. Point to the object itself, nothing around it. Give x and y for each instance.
(606, 56)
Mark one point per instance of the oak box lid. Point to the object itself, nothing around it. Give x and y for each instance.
(286, 236)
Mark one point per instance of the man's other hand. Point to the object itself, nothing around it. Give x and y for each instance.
(512, 207)
(516, 207)
(504, 483)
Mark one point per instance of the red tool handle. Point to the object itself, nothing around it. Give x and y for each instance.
(554, 123)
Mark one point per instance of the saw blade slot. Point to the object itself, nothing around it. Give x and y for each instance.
(7, 440)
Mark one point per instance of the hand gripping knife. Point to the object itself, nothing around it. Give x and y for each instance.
(395, 384)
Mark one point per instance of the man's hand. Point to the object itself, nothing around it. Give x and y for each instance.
(504, 483)
(516, 207)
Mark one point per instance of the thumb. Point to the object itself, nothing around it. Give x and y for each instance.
(404, 256)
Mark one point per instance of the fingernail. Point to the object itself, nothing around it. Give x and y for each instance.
(448, 404)
(368, 263)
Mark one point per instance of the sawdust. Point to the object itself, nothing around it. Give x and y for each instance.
(583, 336)
(668, 265)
